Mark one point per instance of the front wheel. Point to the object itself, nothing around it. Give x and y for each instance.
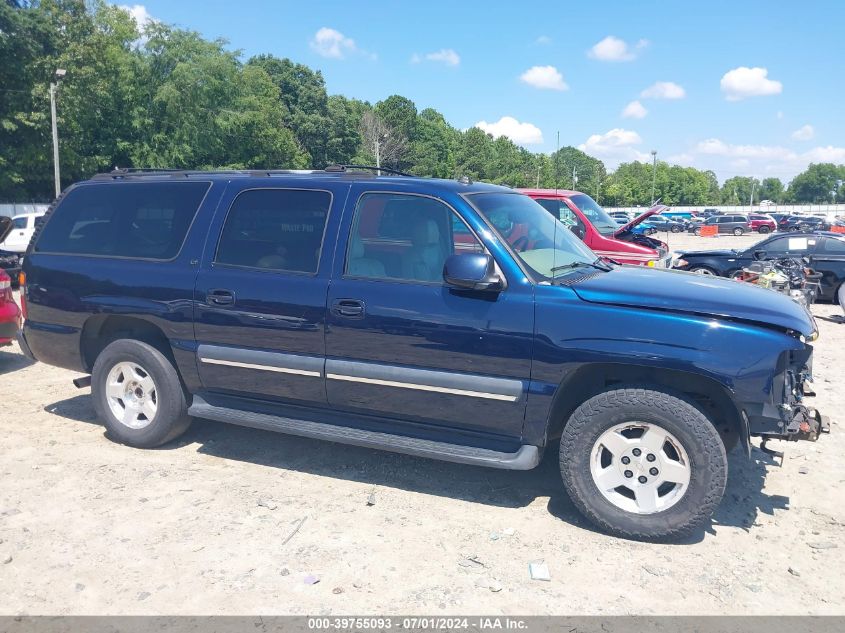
(676, 229)
(138, 394)
(697, 231)
(643, 464)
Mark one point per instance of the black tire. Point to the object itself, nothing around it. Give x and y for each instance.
(676, 229)
(171, 416)
(764, 230)
(697, 230)
(738, 231)
(699, 438)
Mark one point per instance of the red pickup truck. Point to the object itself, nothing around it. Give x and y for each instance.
(599, 231)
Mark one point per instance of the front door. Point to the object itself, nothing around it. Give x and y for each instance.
(261, 295)
(402, 344)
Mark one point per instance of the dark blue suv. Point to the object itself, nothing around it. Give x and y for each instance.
(447, 319)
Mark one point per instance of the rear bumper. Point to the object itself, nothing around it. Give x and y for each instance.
(25, 346)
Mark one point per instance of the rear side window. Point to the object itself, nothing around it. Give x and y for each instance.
(145, 220)
(275, 229)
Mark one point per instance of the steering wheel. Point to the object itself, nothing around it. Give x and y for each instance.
(520, 243)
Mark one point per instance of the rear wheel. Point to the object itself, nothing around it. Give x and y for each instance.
(738, 231)
(137, 393)
(697, 230)
(643, 464)
(764, 230)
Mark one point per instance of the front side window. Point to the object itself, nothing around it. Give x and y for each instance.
(541, 241)
(597, 216)
(561, 210)
(275, 229)
(146, 220)
(405, 237)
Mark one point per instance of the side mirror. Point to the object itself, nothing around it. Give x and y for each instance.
(759, 255)
(578, 230)
(473, 271)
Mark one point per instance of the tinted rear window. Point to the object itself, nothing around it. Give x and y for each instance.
(146, 220)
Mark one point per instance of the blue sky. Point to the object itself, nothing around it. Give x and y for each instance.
(743, 88)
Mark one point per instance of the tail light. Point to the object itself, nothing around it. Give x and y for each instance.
(5, 289)
(22, 288)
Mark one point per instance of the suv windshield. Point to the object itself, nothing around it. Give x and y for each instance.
(544, 244)
(597, 216)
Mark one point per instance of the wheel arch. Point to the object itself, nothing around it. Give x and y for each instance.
(704, 392)
(101, 329)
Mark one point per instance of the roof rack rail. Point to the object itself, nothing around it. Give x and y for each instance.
(128, 172)
(345, 167)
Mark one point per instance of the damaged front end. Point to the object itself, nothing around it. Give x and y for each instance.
(787, 416)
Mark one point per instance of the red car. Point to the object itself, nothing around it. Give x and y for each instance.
(605, 236)
(762, 223)
(10, 315)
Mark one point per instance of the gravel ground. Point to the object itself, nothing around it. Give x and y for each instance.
(237, 521)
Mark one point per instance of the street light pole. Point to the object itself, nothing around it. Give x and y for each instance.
(54, 87)
(653, 174)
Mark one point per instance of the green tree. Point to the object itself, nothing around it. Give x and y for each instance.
(737, 190)
(772, 189)
(433, 148)
(818, 184)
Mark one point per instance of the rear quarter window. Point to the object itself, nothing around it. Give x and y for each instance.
(143, 220)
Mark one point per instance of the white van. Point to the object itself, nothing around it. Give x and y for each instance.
(23, 226)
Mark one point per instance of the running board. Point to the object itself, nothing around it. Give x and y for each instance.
(525, 458)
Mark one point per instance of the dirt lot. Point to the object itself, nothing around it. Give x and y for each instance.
(233, 520)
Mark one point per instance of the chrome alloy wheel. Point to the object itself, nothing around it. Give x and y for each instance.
(131, 395)
(640, 467)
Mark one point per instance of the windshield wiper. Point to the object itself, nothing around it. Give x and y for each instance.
(597, 264)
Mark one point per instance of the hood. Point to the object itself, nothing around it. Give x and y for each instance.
(640, 218)
(5, 227)
(679, 291)
(726, 252)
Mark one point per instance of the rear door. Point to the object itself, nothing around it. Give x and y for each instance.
(403, 345)
(261, 292)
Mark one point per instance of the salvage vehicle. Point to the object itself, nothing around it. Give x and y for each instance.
(9, 261)
(736, 224)
(344, 306)
(660, 223)
(762, 223)
(824, 253)
(627, 243)
(10, 318)
(803, 223)
(23, 228)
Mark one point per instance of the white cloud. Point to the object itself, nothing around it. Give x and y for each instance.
(444, 55)
(613, 49)
(804, 133)
(615, 146)
(780, 114)
(520, 133)
(663, 90)
(544, 77)
(332, 44)
(543, 40)
(760, 160)
(634, 110)
(744, 82)
(142, 18)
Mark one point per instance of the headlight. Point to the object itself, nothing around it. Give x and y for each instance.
(681, 262)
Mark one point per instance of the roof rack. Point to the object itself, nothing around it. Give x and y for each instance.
(130, 172)
(345, 167)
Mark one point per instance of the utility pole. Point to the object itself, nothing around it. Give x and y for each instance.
(538, 175)
(378, 157)
(653, 174)
(574, 177)
(54, 87)
(751, 198)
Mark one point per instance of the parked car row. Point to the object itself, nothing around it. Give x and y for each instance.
(447, 319)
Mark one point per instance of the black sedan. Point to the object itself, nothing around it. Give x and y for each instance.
(826, 253)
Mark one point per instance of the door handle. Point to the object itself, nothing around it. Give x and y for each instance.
(220, 297)
(349, 308)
